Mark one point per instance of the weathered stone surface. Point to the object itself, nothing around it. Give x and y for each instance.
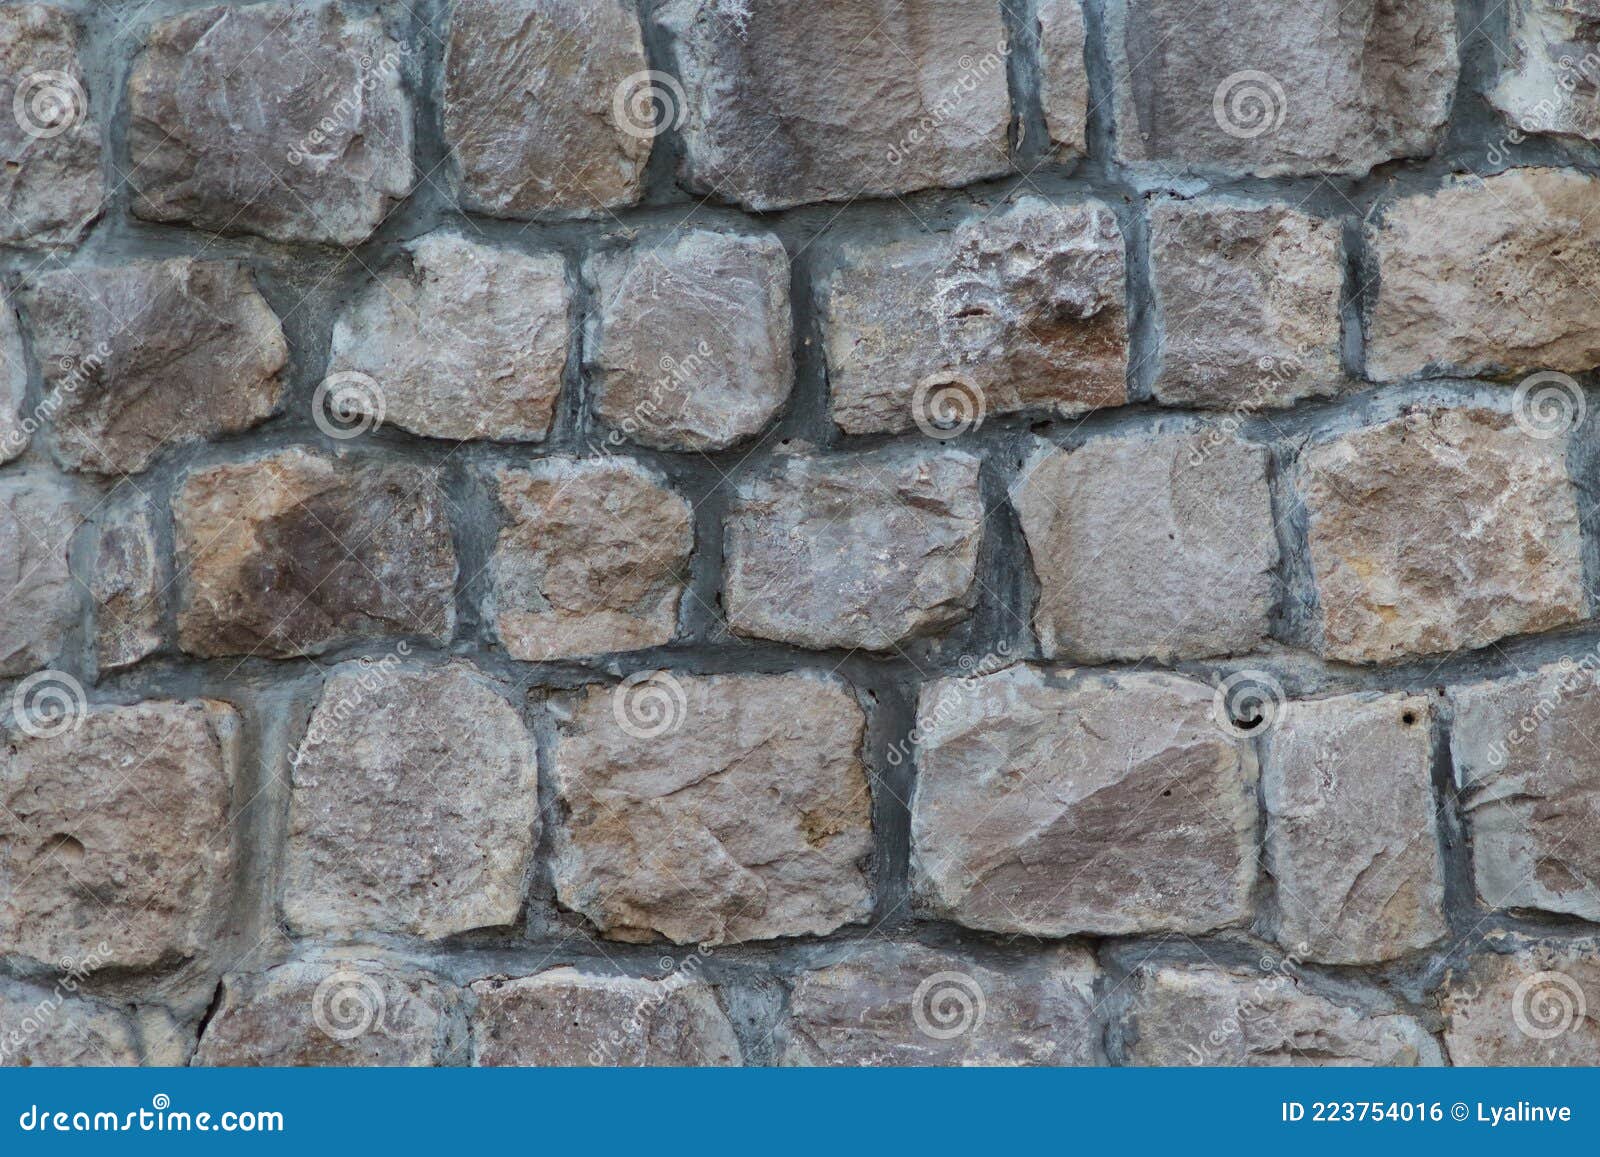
(1547, 84)
(469, 342)
(593, 558)
(1331, 86)
(127, 585)
(1487, 276)
(565, 1017)
(1249, 302)
(38, 599)
(1524, 751)
(690, 338)
(792, 101)
(714, 808)
(1352, 840)
(1418, 545)
(50, 1026)
(14, 433)
(1049, 804)
(51, 184)
(1019, 310)
(335, 1011)
(545, 105)
(116, 831)
(152, 354)
(859, 550)
(414, 804)
(290, 553)
(1064, 76)
(1156, 548)
(309, 139)
(1525, 1002)
(1208, 1016)
(902, 1004)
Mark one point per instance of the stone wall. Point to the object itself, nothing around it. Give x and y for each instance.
(799, 531)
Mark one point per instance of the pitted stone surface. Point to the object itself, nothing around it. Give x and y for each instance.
(50, 1026)
(714, 809)
(38, 598)
(1054, 803)
(1418, 546)
(1064, 79)
(127, 585)
(414, 804)
(117, 832)
(292, 553)
(792, 101)
(1331, 86)
(1525, 1002)
(1524, 751)
(309, 140)
(689, 343)
(902, 1004)
(1209, 1016)
(142, 357)
(1021, 309)
(1249, 301)
(469, 342)
(566, 1017)
(1156, 548)
(1352, 839)
(545, 105)
(51, 185)
(864, 550)
(593, 558)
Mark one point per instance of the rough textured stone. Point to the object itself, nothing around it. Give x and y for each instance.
(1524, 751)
(1019, 310)
(1208, 1016)
(15, 434)
(1329, 86)
(468, 342)
(50, 1026)
(291, 553)
(38, 599)
(1352, 840)
(863, 550)
(127, 585)
(1547, 85)
(51, 184)
(414, 804)
(537, 108)
(1049, 804)
(790, 101)
(564, 1017)
(1249, 303)
(148, 355)
(1419, 547)
(309, 140)
(1156, 548)
(902, 1004)
(1064, 75)
(1525, 1002)
(690, 338)
(1487, 276)
(594, 558)
(714, 808)
(335, 1011)
(116, 831)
